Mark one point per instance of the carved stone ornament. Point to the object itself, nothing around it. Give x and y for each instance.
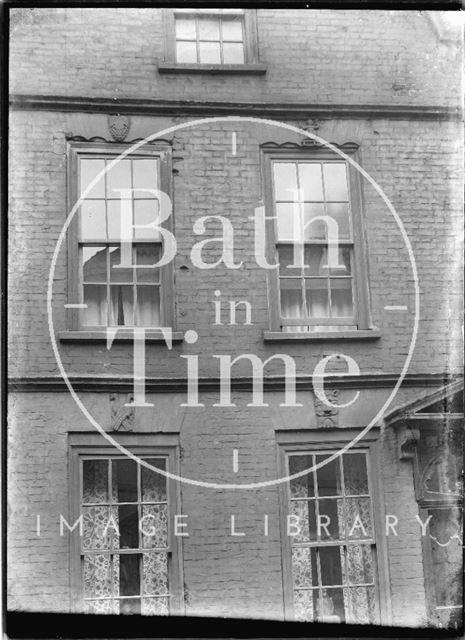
(312, 126)
(327, 417)
(407, 440)
(122, 417)
(118, 126)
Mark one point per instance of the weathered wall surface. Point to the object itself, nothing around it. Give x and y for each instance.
(360, 57)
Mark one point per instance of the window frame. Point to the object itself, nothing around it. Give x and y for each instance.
(360, 280)
(82, 445)
(76, 150)
(251, 56)
(299, 442)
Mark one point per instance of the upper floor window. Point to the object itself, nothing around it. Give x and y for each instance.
(321, 282)
(117, 292)
(208, 38)
(217, 40)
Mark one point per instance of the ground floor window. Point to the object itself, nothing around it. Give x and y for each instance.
(125, 558)
(332, 538)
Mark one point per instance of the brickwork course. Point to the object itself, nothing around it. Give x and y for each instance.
(336, 58)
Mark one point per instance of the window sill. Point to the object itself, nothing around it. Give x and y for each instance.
(97, 335)
(356, 334)
(240, 69)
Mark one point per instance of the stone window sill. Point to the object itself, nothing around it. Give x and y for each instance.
(239, 69)
(356, 334)
(98, 335)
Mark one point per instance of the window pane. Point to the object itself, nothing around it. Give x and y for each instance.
(117, 273)
(97, 576)
(301, 487)
(344, 268)
(305, 605)
(145, 176)
(355, 473)
(153, 483)
(124, 480)
(361, 605)
(286, 258)
(233, 53)
(285, 181)
(341, 297)
(331, 606)
(340, 213)
(185, 28)
(310, 180)
(186, 52)
(316, 260)
(155, 607)
(209, 52)
(114, 212)
(314, 230)
(291, 298)
(129, 606)
(304, 567)
(148, 306)
(147, 255)
(128, 526)
(335, 181)
(209, 29)
(121, 305)
(328, 477)
(94, 264)
(317, 298)
(89, 170)
(304, 519)
(96, 530)
(288, 223)
(101, 606)
(146, 214)
(232, 29)
(359, 564)
(118, 177)
(129, 577)
(331, 519)
(358, 518)
(330, 565)
(155, 526)
(95, 481)
(92, 220)
(95, 297)
(154, 573)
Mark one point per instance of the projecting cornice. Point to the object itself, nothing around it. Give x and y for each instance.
(286, 111)
(96, 384)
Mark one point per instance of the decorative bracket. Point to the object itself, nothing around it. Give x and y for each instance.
(327, 417)
(122, 417)
(407, 440)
